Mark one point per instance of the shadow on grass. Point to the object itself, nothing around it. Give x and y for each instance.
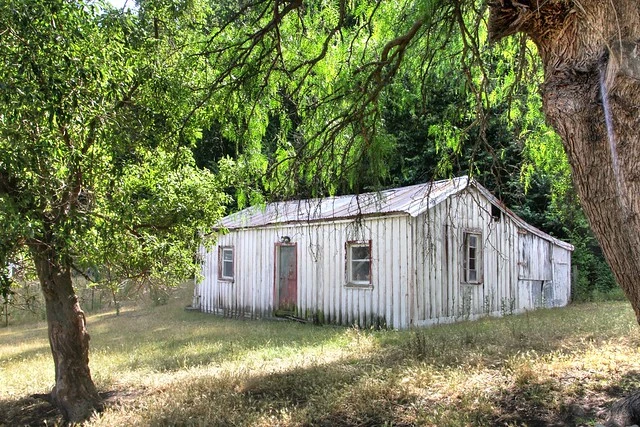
(29, 411)
(353, 391)
(370, 391)
(529, 404)
(363, 391)
(37, 410)
(628, 384)
(364, 387)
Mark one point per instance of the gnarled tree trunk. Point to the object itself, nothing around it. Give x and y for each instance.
(591, 96)
(74, 391)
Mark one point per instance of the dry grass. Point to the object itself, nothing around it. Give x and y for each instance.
(166, 366)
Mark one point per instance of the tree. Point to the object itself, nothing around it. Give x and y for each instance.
(339, 61)
(94, 163)
(592, 83)
(5, 292)
(592, 78)
(588, 50)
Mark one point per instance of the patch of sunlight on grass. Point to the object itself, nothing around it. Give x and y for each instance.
(24, 349)
(26, 366)
(172, 367)
(18, 381)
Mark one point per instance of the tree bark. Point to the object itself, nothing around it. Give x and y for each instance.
(591, 91)
(74, 392)
(625, 412)
(591, 96)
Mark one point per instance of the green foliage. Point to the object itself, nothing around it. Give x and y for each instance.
(150, 221)
(350, 96)
(595, 280)
(304, 98)
(97, 117)
(101, 110)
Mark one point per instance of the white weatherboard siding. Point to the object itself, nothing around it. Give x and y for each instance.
(443, 297)
(322, 288)
(417, 256)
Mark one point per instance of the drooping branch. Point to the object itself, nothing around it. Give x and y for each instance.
(507, 18)
(542, 21)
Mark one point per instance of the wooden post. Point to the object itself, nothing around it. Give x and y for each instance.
(574, 282)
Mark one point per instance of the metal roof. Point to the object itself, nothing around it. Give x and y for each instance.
(412, 200)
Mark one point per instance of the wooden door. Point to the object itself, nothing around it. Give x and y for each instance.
(286, 279)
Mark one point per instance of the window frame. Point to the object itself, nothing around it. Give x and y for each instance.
(221, 262)
(350, 281)
(466, 257)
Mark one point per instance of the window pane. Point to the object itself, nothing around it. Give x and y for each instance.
(227, 255)
(227, 269)
(360, 252)
(472, 256)
(360, 271)
(473, 276)
(359, 263)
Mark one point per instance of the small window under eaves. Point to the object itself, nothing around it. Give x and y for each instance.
(496, 213)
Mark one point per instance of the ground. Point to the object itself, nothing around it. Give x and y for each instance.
(167, 366)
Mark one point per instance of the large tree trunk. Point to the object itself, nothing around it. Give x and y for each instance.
(74, 391)
(591, 95)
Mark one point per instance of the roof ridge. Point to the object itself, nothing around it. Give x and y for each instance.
(412, 200)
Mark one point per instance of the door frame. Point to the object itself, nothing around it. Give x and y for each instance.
(276, 273)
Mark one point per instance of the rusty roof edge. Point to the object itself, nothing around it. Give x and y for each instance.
(435, 201)
(457, 185)
(428, 186)
(312, 221)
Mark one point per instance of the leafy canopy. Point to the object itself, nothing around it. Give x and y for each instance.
(95, 128)
(100, 109)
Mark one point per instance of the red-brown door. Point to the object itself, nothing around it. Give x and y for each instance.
(286, 278)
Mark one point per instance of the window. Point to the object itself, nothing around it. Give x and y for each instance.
(472, 257)
(359, 263)
(225, 262)
(496, 213)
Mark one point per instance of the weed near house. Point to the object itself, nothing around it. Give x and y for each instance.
(167, 366)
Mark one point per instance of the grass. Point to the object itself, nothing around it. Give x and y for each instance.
(166, 366)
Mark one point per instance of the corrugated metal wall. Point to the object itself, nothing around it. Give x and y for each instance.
(444, 297)
(561, 276)
(416, 269)
(322, 290)
(521, 270)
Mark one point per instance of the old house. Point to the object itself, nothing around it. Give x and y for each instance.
(419, 255)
